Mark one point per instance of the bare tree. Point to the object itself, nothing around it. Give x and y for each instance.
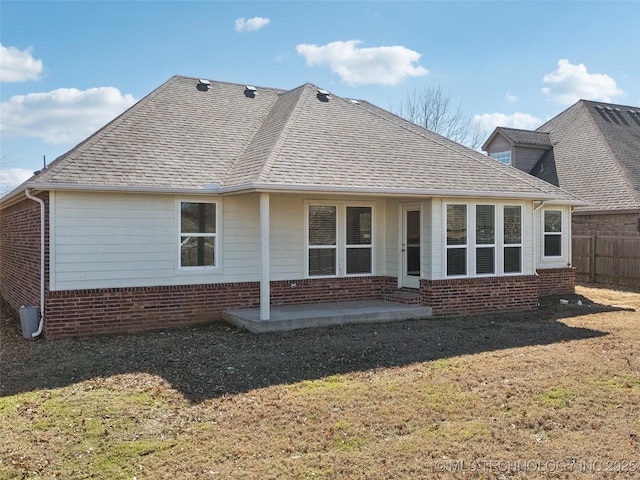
(433, 109)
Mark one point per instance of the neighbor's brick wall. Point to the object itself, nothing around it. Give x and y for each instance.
(556, 281)
(20, 252)
(480, 295)
(114, 310)
(617, 225)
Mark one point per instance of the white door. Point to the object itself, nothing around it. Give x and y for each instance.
(410, 247)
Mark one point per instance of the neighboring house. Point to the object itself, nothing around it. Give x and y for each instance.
(592, 150)
(207, 196)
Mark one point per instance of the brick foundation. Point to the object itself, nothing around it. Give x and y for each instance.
(115, 310)
(480, 295)
(556, 281)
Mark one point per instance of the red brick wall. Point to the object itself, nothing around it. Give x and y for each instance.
(113, 310)
(480, 295)
(317, 290)
(20, 252)
(617, 225)
(556, 281)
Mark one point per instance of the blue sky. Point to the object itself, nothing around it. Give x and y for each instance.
(67, 68)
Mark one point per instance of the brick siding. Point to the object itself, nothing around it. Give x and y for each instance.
(556, 281)
(480, 295)
(20, 252)
(114, 310)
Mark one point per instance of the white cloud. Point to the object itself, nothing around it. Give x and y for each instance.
(489, 121)
(62, 116)
(12, 177)
(570, 83)
(361, 66)
(18, 65)
(511, 98)
(251, 25)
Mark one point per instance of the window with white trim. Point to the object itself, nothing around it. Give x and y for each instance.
(485, 239)
(359, 240)
(322, 238)
(198, 234)
(552, 233)
(339, 239)
(502, 157)
(512, 237)
(456, 239)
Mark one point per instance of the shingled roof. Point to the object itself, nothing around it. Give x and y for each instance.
(183, 136)
(521, 138)
(596, 154)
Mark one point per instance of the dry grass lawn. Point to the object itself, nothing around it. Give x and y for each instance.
(548, 394)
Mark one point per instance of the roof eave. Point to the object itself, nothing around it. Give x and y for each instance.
(280, 188)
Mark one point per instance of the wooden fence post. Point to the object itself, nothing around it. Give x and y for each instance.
(592, 261)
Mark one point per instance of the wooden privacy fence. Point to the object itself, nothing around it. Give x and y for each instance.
(604, 259)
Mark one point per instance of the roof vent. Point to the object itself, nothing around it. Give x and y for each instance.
(609, 109)
(323, 95)
(250, 91)
(599, 107)
(355, 102)
(203, 85)
(632, 112)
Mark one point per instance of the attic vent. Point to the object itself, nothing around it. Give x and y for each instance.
(632, 112)
(609, 109)
(250, 91)
(355, 102)
(598, 107)
(323, 95)
(203, 85)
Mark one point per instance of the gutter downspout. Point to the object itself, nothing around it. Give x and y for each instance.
(535, 238)
(42, 211)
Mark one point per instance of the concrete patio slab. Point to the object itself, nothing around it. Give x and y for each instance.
(293, 317)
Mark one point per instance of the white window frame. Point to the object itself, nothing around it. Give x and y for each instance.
(215, 236)
(472, 244)
(341, 237)
(485, 245)
(559, 234)
(512, 245)
(504, 157)
(457, 247)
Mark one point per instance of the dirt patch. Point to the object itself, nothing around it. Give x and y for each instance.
(553, 393)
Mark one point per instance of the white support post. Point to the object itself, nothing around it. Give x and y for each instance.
(265, 281)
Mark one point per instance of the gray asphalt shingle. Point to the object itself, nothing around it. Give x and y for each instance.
(181, 137)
